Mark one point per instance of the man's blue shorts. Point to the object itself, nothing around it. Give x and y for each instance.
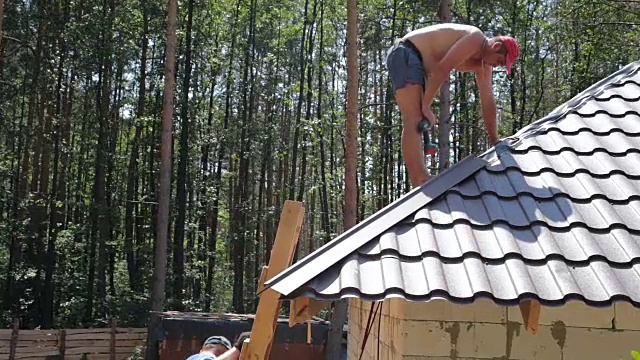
(404, 64)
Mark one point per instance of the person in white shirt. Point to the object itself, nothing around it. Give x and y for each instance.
(219, 348)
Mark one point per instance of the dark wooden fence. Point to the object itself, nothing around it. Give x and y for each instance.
(113, 343)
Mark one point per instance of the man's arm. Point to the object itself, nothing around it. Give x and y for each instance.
(457, 54)
(231, 354)
(234, 352)
(488, 103)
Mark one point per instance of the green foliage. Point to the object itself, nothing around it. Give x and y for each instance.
(138, 353)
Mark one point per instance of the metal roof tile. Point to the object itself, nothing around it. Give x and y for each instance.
(583, 143)
(613, 108)
(583, 186)
(552, 282)
(567, 163)
(601, 124)
(552, 214)
(629, 90)
(535, 243)
(525, 210)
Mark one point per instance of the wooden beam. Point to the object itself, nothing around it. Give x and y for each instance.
(303, 309)
(112, 342)
(262, 280)
(530, 310)
(62, 346)
(299, 310)
(264, 324)
(14, 339)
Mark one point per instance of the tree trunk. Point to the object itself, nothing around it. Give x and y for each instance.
(99, 211)
(113, 179)
(240, 211)
(444, 127)
(15, 249)
(324, 196)
(252, 266)
(332, 145)
(132, 169)
(181, 179)
(296, 128)
(222, 147)
(361, 177)
(266, 153)
(307, 117)
(102, 193)
(271, 148)
(206, 170)
(386, 137)
(57, 196)
(20, 214)
(160, 260)
(1, 21)
(339, 314)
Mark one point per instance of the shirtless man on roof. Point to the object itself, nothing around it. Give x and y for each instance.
(433, 52)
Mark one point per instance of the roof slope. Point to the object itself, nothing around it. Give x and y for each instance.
(551, 214)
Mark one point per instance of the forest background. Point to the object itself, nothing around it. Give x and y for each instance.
(259, 117)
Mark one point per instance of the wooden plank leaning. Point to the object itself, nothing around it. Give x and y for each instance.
(264, 325)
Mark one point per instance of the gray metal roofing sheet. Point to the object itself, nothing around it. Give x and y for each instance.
(471, 277)
(553, 214)
(578, 245)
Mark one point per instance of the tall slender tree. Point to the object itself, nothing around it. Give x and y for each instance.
(339, 314)
(160, 259)
(181, 179)
(444, 126)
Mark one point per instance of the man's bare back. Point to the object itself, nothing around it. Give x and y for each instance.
(435, 41)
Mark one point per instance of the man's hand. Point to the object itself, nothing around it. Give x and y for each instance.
(241, 338)
(426, 111)
(234, 352)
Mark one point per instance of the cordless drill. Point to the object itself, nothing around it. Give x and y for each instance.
(424, 126)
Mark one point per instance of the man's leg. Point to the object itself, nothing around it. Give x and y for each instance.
(408, 77)
(409, 99)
